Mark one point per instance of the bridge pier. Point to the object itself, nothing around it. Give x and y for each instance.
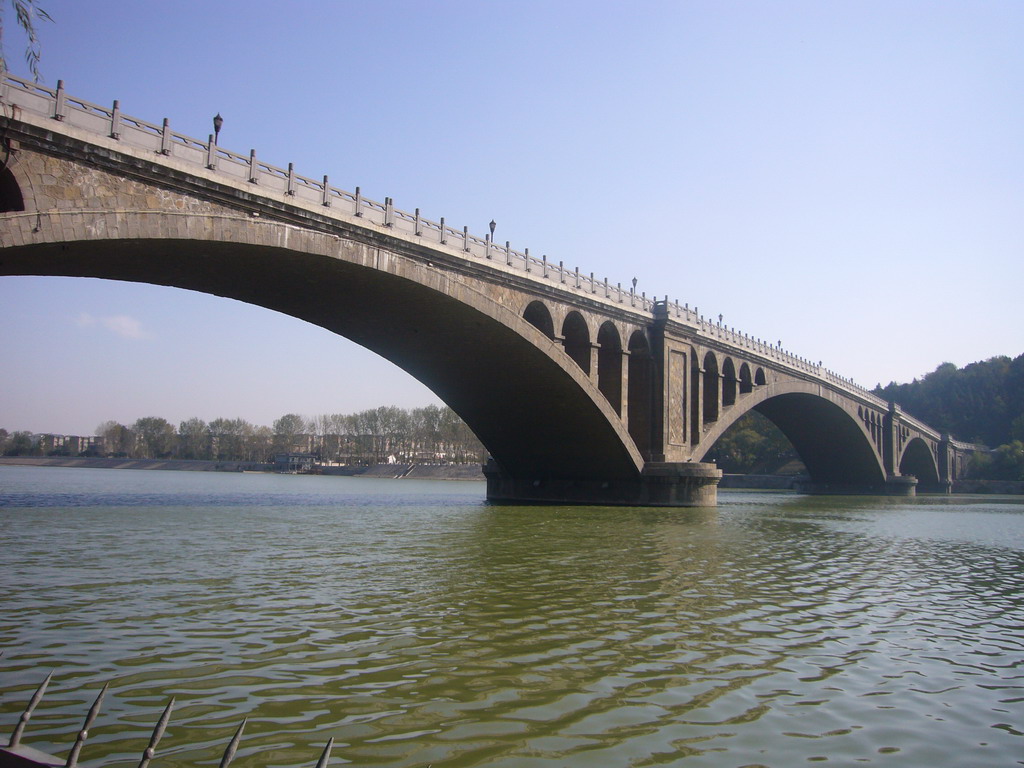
(894, 485)
(661, 484)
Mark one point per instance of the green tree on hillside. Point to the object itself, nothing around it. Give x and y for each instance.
(981, 402)
(753, 445)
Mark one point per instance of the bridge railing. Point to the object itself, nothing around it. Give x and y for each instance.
(162, 140)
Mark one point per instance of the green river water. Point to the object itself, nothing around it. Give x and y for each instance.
(417, 625)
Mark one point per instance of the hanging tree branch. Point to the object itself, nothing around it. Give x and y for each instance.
(27, 13)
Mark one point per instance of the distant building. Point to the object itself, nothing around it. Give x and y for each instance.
(67, 445)
(296, 463)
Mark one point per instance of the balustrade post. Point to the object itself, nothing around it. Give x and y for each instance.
(508, 255)
(561, 270)
(487, 245)
(359, 203)
(211, 154)
(465, 239)
(526, 258)
(291, 179)
(115, 120)
(165, 138)
(416, 224)
(59, 103)
(544, 259)
(389, 212)
(444, 234)
(327, 193)
(254, 169)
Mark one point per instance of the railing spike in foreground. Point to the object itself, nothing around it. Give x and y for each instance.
(83, 734)
(229, 753)
(23, 721)
(326, 754)
(158, 732)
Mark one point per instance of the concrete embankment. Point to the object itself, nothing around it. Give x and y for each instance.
(172, 464)
(410, 471)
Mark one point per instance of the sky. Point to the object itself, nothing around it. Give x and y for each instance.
(846, 177)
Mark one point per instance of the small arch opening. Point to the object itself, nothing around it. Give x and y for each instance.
(711, 392)
(640, 392)
(539, 317)
(609, 365)
(11, 199)
(746, 382)
(695, 399)
(730, 384)
(577, 340)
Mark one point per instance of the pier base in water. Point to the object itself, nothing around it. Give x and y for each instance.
(661, 484)
(897, 485)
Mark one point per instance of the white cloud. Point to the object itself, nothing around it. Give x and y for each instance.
(120, 325)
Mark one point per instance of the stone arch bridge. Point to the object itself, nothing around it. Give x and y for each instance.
(581, 390)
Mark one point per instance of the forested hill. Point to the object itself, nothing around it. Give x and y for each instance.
(981, 402)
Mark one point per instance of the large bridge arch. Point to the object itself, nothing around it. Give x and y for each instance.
(832, 442)
(446, 332)
(919, 461)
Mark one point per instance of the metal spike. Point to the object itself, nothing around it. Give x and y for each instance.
(36, 697)
(158, 732)
(229, 753)
(83, 734)
(326, 755)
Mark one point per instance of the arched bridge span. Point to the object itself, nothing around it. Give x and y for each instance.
(581, 390)
(447, 333)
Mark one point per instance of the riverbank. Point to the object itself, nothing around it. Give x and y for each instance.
(396, 471)
(427, 472)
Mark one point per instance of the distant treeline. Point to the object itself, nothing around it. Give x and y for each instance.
(982, 403)
(428, 434)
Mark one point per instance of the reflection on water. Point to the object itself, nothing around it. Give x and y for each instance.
(417, 625)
